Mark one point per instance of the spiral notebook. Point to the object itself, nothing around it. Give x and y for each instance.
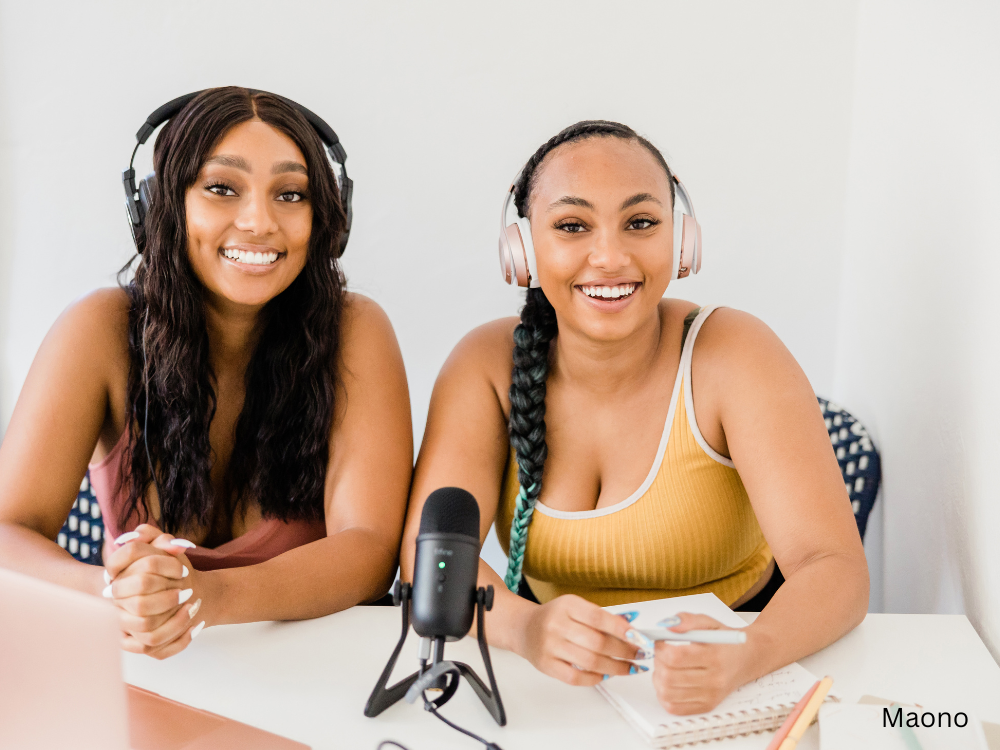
(758, 706)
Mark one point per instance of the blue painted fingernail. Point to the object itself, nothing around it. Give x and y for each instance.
(637, 668)
(644, 653)
(639, 639)
(629, 616)
(605, 677)
(669, 622)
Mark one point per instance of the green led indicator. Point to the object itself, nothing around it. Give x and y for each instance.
(441, 564)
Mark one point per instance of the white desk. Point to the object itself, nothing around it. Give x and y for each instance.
(309, 681)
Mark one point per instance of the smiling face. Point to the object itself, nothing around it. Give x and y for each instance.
(249, 216)
(602, 227)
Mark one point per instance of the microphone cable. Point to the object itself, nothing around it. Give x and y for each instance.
(428, 706)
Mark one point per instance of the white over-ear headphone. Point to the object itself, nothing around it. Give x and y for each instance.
(517, 252)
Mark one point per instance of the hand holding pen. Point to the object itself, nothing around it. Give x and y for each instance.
(697, 661)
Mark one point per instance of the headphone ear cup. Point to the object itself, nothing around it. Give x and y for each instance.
(506, 262)
(696, 263)
(346, 201)
(513, 261)
(147, 188)
(689, 246)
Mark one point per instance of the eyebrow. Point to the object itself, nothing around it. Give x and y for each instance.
(571, 200)
(639, 198)
(238, 162)
(288, 166)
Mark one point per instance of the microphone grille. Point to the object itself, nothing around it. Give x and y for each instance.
(450, 510)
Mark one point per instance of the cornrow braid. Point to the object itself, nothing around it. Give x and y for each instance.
(532, 339)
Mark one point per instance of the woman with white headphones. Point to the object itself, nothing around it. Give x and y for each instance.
(631, 446)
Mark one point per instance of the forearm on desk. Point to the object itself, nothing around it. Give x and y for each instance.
(27, 551)
(819, 603)
(316, 579)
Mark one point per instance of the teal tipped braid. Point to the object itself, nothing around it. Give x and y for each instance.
(527, 420)
(518, 537)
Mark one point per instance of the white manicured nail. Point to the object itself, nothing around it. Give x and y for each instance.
(184, 595)
(197, 629)
(107, 592)
(183, 543)
(127, 537)
(184, 571)
(193, 610)
(107, 578)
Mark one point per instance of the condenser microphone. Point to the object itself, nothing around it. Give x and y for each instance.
(440, 605)
(447, 565)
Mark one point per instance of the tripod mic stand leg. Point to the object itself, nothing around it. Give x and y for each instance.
(491, 699)
(383, 697)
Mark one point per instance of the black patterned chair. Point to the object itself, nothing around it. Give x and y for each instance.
(83, 533)
(858, 459)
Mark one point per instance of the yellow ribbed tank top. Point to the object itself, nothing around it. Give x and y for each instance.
(688, 529)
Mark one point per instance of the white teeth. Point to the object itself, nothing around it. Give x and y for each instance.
(609, 292)
(251, 258)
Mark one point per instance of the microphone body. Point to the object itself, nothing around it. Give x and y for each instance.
(446, 567)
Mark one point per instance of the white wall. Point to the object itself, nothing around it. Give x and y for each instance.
(919, 343)
(438, 106)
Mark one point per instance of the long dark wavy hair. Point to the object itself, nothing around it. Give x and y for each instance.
(532, 343)
(282, 441)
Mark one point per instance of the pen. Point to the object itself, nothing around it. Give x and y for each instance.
(695, 636)
(909, 736)
(808, 714)
(786, 727)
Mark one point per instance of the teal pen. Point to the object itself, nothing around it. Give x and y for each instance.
(909, 736)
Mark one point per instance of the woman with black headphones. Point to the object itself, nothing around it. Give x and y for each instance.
(245, 418)
(632, 447)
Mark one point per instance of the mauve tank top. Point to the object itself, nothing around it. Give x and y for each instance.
(267, 539)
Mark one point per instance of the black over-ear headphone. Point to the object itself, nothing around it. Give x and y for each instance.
(138, 199)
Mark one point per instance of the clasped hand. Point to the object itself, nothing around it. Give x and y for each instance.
(157, 591)
(580, 643)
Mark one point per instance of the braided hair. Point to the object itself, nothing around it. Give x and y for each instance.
(532, 339)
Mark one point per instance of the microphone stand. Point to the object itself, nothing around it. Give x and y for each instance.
(441, 673)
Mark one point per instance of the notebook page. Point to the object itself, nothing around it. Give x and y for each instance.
(635, 697)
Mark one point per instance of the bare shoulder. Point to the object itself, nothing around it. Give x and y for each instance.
(732, 337)
(101, 307)
(485, 354)
(96, 326)
(363, 316)
(366, 334)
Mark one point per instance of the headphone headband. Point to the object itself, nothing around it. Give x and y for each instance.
(137, 198)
